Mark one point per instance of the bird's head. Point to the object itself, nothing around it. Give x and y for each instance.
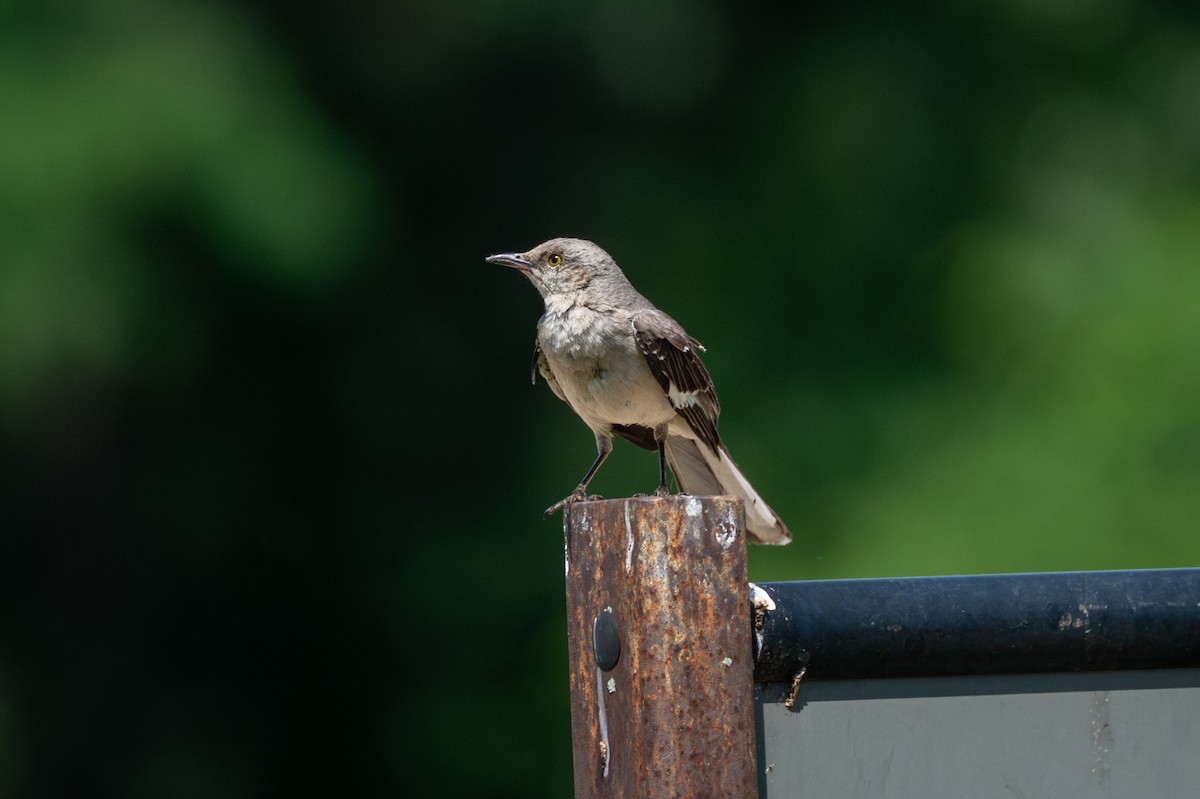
(561, 266)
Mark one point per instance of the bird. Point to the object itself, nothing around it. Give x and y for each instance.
(630, 370)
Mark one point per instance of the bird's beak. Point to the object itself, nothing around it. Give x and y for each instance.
(513, 259)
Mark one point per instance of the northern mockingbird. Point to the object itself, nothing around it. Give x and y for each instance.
(626, 368)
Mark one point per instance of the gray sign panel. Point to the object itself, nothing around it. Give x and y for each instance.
(1051, 735)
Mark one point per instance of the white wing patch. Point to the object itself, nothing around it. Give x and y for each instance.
(671, 355)
(682, 399)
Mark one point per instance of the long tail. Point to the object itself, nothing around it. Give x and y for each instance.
(700, 471)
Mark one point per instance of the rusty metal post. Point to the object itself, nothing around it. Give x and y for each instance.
(662, 677)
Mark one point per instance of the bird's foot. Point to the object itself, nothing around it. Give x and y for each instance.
(577, 495)
(661, 491)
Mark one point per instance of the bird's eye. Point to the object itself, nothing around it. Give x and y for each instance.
(554, 259)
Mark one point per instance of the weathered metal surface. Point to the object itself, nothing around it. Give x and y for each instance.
(674, 717)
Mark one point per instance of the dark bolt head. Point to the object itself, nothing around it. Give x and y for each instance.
(606, 640)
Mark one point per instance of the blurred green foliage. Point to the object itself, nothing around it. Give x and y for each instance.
(272, 470)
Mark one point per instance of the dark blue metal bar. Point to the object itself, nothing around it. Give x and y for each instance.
(984, 624)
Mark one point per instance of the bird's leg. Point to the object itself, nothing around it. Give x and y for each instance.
(603, 447)
(662, 490)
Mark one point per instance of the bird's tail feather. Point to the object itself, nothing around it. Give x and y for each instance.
(698, 470)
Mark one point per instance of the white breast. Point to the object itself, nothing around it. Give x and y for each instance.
(603, 376)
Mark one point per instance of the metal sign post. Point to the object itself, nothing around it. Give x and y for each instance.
(662, 673)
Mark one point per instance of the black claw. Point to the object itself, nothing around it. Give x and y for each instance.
(575, 496)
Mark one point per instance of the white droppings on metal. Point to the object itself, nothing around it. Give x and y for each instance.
(693, 508)
(1085, 612)
(761, 598)
(727, 662)
(628, 540)
(762, 603)
(612, 685)
(1068, 622)
(726, 533)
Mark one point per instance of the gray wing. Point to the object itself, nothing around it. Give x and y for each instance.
(674, 359)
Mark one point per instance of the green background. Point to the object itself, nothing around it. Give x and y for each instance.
(271, 469)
